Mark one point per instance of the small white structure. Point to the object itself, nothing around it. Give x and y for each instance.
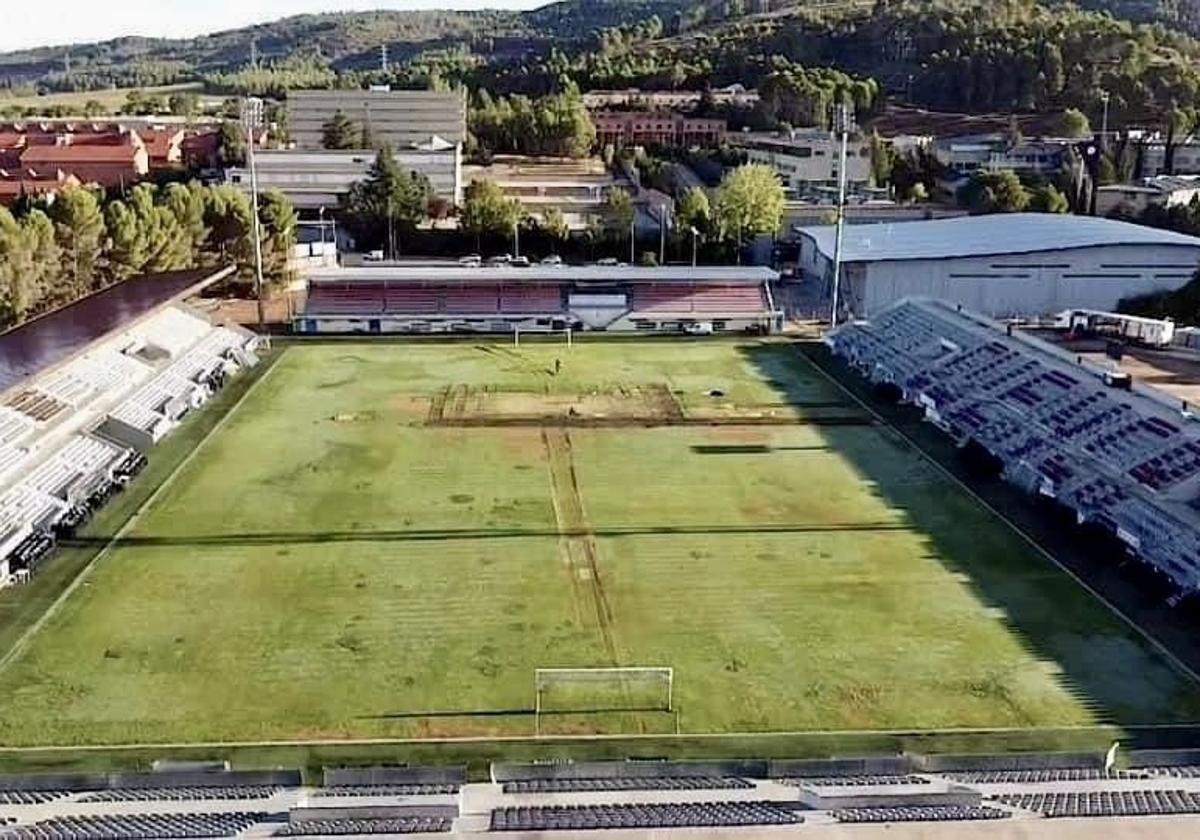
(1160, 190)
(1002, 265)
(808, 160)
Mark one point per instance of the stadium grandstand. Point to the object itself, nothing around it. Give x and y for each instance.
(1122, 458)
(86, 390)
(436, 299)
(1032, 793)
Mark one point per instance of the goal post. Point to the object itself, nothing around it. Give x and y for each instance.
(603, 690)
(518, 331)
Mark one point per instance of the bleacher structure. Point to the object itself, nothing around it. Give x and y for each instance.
(741, 798)
(1121, 457)
(609, 299)
(72, 435)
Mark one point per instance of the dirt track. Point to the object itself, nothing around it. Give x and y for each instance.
(577, 543)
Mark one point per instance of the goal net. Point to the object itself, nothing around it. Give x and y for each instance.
(592, 691)
(541, 332)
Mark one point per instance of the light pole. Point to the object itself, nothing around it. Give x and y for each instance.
(252, 118)
(695, 237)
(391, 230)
(662, 235)
(632, 236)
(844, 120)
(1104, 120)
(321, 224)
(517, 238)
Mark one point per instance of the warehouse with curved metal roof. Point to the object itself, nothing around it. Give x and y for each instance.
(1014, 264)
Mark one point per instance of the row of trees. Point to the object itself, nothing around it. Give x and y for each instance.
(1003, 192)
(57, 252)
(390, 204)
(557, 124)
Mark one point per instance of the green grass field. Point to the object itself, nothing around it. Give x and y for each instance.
(111, 100)
(387, 539)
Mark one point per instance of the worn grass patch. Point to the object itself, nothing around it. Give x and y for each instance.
(334, 564)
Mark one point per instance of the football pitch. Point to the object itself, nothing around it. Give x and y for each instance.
(388, 539)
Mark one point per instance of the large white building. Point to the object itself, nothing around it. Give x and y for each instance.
(1001, 265)
(807, 161)
(401, 118)
(314, 179)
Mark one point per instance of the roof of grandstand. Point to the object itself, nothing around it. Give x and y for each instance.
(546, 274)
(38, 344)
(980, 236)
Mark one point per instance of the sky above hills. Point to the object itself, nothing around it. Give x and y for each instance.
(56, 22)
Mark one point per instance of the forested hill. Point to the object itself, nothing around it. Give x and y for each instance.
(340, 41)
(1026, 55)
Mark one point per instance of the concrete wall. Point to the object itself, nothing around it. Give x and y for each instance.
(103, 781)
(503, 772)
(887, 765)
(1011, 761)
(395, 775)
(370, 812)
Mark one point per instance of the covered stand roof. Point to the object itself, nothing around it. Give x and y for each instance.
(979, 236)
(544, 274)
(38, 344)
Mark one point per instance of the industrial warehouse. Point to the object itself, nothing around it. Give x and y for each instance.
(1004, 265)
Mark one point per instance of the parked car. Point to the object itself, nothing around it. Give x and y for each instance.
(470, 261)
(699, 328)
(373, 256)
(553, 259)
(608, 261)
(520, 262)
(499, 259)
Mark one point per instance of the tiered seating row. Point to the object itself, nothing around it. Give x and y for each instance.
(81, 457)
(182, 794)
(122, 826)
(622, 783)
(1109, 803)
(366, 827)
(13, 424)
(30, 797)
(481, 299)
(659, 815)
(162, 400)
(1042, 776)
(919, 813)
(698, 298)
(389, 790)
(876, 780)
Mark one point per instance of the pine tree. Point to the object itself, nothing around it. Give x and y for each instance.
(79, 231)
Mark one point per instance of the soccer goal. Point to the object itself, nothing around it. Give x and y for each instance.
(526, 332)
(593, 691)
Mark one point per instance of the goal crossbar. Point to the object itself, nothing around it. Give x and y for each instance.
(620, 679)
(528, 331)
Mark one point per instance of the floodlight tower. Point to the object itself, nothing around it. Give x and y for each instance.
(841, 124)
(252, 120)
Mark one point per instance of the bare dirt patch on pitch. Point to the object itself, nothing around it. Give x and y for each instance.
(633, 405)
